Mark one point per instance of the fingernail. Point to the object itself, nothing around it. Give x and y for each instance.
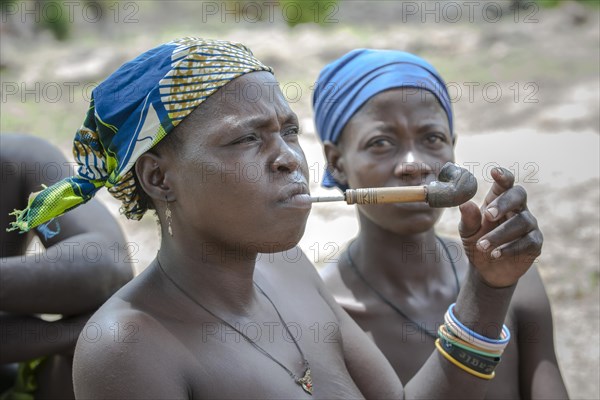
(493, 211)
(484, 244)
(496, 253)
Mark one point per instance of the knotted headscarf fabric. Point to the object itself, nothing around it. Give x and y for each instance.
(129, 113)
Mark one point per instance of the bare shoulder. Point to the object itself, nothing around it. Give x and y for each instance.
(345, 287)
(339, 285)
(332, 277)
(530, 298)
(125, 351)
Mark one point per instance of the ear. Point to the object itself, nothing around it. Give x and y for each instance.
(335, 162)
(150, 171)
(454, 140)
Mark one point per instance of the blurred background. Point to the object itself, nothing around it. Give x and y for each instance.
(523, 77)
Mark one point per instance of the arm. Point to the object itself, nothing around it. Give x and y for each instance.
(481, 306)
(78, 263)
(540, 377)
(515, 241)
(27, 337)
(145, 367)
(438, 378)
(72, 277)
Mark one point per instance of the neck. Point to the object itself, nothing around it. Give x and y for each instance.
(218, 277)
(397, 259)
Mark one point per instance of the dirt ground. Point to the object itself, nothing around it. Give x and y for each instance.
(526, 96)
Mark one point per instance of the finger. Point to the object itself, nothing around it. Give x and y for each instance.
(512, 201)
(521, 251)
(509, 231)
(503, 180)
(470, 221)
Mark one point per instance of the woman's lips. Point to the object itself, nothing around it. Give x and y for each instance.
(295, 195)
(299, 200)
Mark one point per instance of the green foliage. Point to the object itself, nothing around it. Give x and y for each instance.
(57, 22)
(556, 3)
(308, 11)
(54, 18)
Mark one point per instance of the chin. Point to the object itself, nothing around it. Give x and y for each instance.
(277, 246)
(278, 240)
(404, 223)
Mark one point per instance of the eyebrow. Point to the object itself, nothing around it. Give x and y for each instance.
(381, 127)
(434, 125)
(260, 121)
(290, 116)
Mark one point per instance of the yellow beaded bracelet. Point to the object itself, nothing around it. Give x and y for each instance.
(447, 356)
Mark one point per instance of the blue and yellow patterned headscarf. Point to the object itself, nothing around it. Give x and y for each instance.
(129, 113)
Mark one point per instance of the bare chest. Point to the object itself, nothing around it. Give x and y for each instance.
(265, 359)
(236, 371)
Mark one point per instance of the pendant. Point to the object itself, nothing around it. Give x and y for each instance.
(306, 382)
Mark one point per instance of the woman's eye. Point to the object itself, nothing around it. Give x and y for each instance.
(246, 139)
(380, 143)
(291, 131)
(435, 138)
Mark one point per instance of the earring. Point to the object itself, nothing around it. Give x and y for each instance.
(168, 217)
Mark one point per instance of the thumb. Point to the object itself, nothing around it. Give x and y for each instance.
(470, 221)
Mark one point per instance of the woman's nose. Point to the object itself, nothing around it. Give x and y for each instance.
(286, 158)
(412, 167)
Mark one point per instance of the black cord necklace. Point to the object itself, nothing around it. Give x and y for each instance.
(305, 382)
(432, 334)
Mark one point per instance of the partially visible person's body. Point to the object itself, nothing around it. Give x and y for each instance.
(528, 368)
(71, 276)
(397, 277)
(209, 141)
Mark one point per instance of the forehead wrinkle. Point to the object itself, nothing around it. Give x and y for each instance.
(378, 126)
(258, 121)
(425, 124)
(427, 109)
(285, 114)
(270, 109)
(267, 115)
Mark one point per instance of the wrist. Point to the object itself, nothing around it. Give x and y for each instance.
(482, 307)
(479, 279)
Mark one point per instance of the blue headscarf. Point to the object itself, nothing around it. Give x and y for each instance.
(347, 83)
(129, 113)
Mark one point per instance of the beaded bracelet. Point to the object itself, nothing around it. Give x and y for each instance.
(473, 353)
(505, 332)
(484, 343)
(444, 335)
(460, 365)
(479, 363)
(466, 337)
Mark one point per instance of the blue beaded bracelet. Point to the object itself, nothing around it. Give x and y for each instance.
(477, 335)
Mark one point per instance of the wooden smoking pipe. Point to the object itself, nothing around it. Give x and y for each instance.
(455, 185)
